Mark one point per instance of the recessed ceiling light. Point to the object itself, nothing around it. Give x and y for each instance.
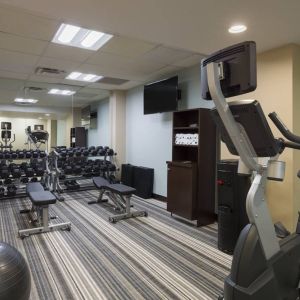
(84, 77)
(40, 118)
(61, 92)
(22, 100)
(47, 115)
(238, 28)
(75, 36)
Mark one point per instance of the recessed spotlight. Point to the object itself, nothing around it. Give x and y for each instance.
(238, 28)
(22, 100)
(84, 77)
(75, 36)
(47, 115)
(40, 118)
(61, 92)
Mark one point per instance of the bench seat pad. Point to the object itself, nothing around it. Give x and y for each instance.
(34, 187)
(100, 182)
(121, 189)
(42, 198)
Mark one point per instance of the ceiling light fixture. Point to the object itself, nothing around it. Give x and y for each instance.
(75, 36)
(47, 115)
(61, 92)
(84, 77)
(238, 28)
(22, 100)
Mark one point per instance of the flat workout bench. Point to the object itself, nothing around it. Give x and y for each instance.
(41, 200)
(120, 195)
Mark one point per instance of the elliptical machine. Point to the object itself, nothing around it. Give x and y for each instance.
(263, 268)
(6, 142)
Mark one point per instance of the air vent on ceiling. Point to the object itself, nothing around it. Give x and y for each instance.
(112, 81)
(49, 71)
(33, 88)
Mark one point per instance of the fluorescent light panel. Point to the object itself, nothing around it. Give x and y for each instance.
(23, 100)
(61, 92)
(238, 28)
(75, 36)
(83, 77)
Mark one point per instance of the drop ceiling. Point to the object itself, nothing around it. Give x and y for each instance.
(151, 39)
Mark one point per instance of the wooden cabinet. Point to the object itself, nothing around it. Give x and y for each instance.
(192, 171)
(78, 137)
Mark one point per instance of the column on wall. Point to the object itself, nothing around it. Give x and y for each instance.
(117, 112)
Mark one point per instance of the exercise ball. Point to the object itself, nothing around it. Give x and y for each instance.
(15, 281)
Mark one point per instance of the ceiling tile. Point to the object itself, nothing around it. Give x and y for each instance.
(8, 74)
(127, 47)
(44, 79)
(17, 62)
(165, 55)
(66, 52)
(11, 84)
(61, 64)
(190, 61)
(20, 44)
(24, 24)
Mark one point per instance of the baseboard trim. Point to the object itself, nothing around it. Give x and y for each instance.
(159, 197)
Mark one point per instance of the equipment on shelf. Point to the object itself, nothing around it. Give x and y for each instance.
(263, 267)
(6, 142)
(36, 138)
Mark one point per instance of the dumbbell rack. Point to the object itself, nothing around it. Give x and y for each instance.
(14, 177)
(76, 166)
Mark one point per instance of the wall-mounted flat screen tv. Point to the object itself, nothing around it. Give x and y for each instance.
(161, 96)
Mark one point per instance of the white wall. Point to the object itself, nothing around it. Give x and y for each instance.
(101, 135)
(61, 133)
(149, 137)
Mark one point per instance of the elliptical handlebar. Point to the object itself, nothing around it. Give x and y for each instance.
(283, 128)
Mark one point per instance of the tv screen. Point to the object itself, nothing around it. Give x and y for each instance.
(161, 96)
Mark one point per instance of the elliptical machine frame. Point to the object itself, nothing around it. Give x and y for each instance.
(263, 268)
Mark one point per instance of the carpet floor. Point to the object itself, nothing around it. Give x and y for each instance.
(154, 257)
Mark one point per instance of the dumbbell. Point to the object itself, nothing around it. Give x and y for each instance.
(70, 153)
(91, 148)
(7, 155)
(1, 155)
(102, 152)
(33, 179)
(110, 152)
(42, 154)
(24, 179)
(11, 190)
(29, 171)
(7, 181)
(77, 169)
(96, 171)
(14, 155)
(16, 172)
(39, 170)
(112, 168)
(21, 154)
(4, 172)
(78, 153)
(35, 154)
(63, 153)
(68, 169)
(85, 152)
(28, 154)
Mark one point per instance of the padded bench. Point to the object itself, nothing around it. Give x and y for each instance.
(40, 200)
(120, 195)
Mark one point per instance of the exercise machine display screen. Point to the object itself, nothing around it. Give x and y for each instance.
(237, 68)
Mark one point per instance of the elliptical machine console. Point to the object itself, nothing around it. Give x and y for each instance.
(263, 268)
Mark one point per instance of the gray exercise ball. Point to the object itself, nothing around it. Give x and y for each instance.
(15, 280)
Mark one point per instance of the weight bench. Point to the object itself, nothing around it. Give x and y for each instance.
(120, 195)
(40, 200)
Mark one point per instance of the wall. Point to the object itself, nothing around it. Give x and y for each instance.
(18, 128)
(101, 135)
(149, 137)
(61, 133)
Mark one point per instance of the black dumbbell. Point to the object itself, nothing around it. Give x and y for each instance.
(77, 169)
(91, 148)
(85, 152)
(21, 154)
(1, 155)
(28, 154)
(35, 154)
(14, 155)
(42, 154)
(16, 173)
(29, 171)
(33, 179)
(4, 172)
(110, 152)
(39, 170)
(24, 179)
(68, 169)
(78, 153)
(7, 155)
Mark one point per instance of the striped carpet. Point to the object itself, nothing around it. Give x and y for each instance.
(157, 257)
